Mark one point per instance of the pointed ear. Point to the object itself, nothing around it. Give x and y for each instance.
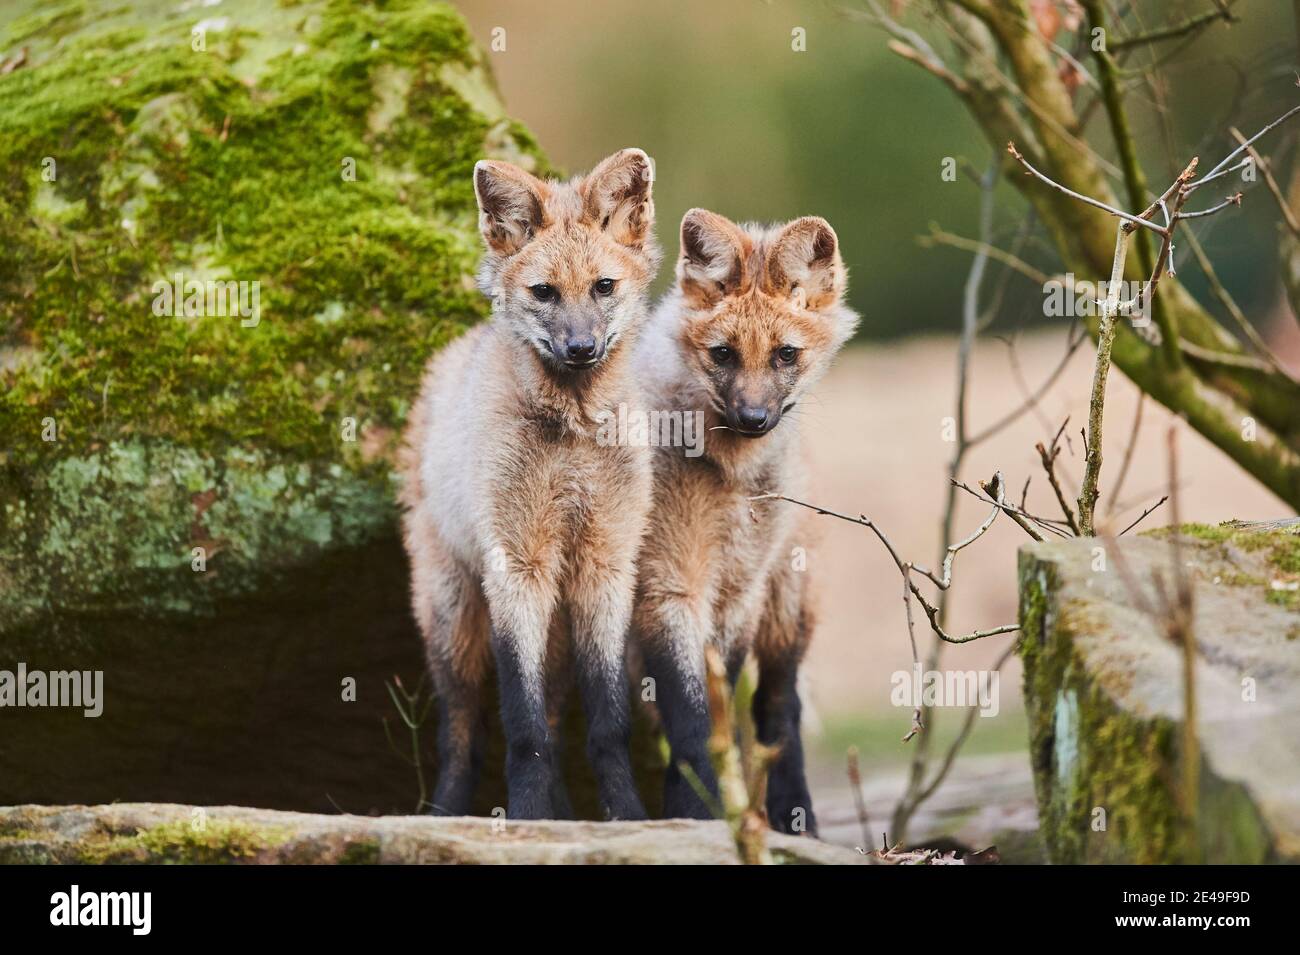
(712, 263)
(616, 196)
(804, 261)
(511, 205)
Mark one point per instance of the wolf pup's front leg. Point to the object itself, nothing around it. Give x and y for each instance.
(604, 583)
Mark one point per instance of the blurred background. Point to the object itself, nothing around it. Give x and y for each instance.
(741, 122)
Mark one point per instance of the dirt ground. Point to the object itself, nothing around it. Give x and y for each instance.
(874, 430)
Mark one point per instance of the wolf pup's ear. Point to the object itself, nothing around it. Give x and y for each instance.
(804, 263)
(712, 264)
(511, 204)
(616, 196)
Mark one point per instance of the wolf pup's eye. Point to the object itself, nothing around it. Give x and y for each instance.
(721, 354)
(543, 292)
(787, 354)
(603, 287)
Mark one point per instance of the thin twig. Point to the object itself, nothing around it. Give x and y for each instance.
(1048, 460)
(1274, 189)
(1143, 516)
(1118, 213)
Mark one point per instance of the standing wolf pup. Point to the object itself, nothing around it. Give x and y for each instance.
(522, 531)
(753, 323)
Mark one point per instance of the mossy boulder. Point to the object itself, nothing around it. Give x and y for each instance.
(163, 834)
(1103, 690)
(196, 495)
(321, 150)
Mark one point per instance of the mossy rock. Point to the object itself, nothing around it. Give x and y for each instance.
(322, 150)
(1103, 691)
(202, 506)
(173, 834)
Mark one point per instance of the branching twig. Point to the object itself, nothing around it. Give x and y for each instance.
(1048, 459)
(998, 487)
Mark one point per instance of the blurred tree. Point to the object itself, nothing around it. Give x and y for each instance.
(1007, 62)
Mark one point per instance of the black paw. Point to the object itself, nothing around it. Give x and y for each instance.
(791, 813)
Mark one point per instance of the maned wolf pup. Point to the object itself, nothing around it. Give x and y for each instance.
(522, 531)
(753, 323)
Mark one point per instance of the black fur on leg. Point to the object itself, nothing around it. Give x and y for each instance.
(461, 733)
(776, 720)
(529, 756)
(684, 710)
(609, 734)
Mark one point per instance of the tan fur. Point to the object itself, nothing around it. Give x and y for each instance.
(713, 559)
(515, 518)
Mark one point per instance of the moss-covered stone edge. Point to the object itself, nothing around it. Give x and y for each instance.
(1120, 763)
(181, 841)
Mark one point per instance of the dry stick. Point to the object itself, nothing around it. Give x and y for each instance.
(918, 719)
(1048, 460)
(1097, 401)
(938, 236)
(1283, 206)
(905, 567)
(1190, 25)
(1180, 624)
(908, 802)
(1220, 170)
(859, 803)
(748, 827)
(1179, 191)
(1019, 515)
(1118, 213)
(1143, 515)
(1232, 200)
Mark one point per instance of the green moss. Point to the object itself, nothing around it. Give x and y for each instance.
(1098, 757)
(217, 842)
(1089, 754)
(1288, 599)
(223, 165)
(361, 852)
(1281, 549)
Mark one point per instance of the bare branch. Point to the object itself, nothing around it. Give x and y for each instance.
(1048, 459)
(1243, 147)
(1118, 213)
(1190, 25)
(1143, 516)
(998, 486)
(938, 236)
(1269, 180)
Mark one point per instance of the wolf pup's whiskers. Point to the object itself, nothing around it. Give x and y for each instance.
(522, 529)
(754, 321)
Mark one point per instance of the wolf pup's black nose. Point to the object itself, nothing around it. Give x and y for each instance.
(580, 349)
(752, 419)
